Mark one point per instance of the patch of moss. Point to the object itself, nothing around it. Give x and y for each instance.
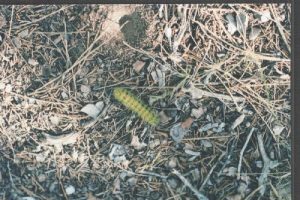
(134, 28)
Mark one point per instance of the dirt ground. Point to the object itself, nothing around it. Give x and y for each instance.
(217, 77)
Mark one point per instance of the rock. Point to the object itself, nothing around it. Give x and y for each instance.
(172, 162)
(70, 190)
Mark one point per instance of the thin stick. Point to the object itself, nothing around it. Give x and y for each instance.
(198, 93)
(210, 172)
(146, 173)
(11, 20)
(268, 164)
(10, 177)
(199, 195)
(280, 28)
(242, 153)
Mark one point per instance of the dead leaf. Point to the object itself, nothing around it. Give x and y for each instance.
(85, 88)
(136, 143)
(192, 153)
(138, 66)
(231, 24)
(285, 77)
(91, 196)
(206, 143)
(59, 141)
(100, 105)
(177, 132)
(187, 123)
(277, 129)
(198, 112)
(62, 139)
(116, 186)
(238, 121)
(91, 110)
(159, 76)
(230, 171)
(164, 119)
(32, 62)
(265, 16)
(54, 120)
(2, 21)
(242, 22)
(117, 153)
(64, 95)
(23, 33)
(254, 32)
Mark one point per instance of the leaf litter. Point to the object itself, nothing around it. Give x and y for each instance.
(213, 72)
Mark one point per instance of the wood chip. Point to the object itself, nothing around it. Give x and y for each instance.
(187, 123)
(238, 121)
(138, 66)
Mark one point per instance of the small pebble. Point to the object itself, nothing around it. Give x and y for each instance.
(248, 124)
(172, 162)
(70, 190)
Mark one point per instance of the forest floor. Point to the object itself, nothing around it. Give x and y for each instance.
(217, 75)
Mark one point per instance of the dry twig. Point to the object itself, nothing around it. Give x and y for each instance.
(242, 153)
(199, 195)
(268, 165)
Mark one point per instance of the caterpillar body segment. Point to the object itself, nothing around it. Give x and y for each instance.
(133, 103)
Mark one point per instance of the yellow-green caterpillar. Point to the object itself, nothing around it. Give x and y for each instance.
(133, 103)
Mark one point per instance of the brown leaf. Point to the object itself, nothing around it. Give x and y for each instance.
(138, 66)
(187, 123)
